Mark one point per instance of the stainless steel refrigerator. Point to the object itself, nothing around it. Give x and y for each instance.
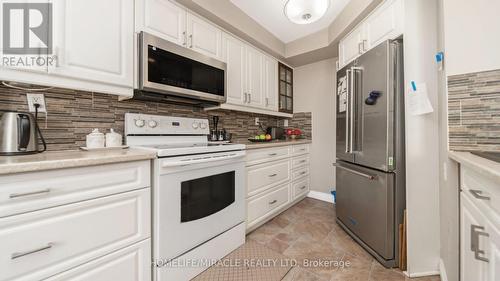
(370, 169)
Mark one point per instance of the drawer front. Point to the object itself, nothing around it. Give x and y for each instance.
(261, 206)
(300, 173)
(264, 176)
(300, 187)
(20, 193)
(300, 161)
(40, 244)
(264, 155)
(129, 264)
(300, 149)
(485, 192)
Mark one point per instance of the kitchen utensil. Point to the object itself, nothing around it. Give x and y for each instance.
(95, 139)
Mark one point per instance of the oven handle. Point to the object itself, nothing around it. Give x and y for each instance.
(192, 161)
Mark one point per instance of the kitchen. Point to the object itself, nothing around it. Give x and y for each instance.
(248, 140)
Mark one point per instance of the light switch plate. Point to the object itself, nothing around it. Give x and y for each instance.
(257, 121)
(36, 98)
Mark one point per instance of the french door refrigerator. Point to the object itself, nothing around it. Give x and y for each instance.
(370, 175)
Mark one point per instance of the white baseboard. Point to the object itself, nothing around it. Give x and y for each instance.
(422, 274)
(327, 197)
(442, 271)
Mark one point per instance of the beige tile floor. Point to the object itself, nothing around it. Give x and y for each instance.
(308, 233)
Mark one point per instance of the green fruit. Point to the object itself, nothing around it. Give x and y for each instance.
(262, 137)
(257, 137)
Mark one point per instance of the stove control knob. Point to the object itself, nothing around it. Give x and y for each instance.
(195, 125)
(152, 123)
(203, 125)
(140, 123)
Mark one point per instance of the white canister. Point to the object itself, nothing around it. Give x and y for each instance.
(95, 139)
(113, 139)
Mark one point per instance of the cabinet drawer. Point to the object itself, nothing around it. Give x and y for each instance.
(129, 264)
(39, 244)
(257, 156)
(300, 187)
(26, 192)
(300, 172)
(300, 149)
(300, 161)
(261, 206)
(485, 193)
(263, 176)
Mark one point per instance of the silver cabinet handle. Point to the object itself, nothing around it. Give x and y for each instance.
(191, 40)
(267, 101)
(303, 173)
(364, 45)
(272, 154)
(249, 97)
(273, 202)
(246, 98)
(303, 187)
(474, 242)
(38, 192)
(370, 177)
(185, 39)
(273, 175)
(360, 48)
(478, 194)
(22, 254)
(303, 161)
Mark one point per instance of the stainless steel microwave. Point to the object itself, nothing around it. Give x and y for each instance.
(169, 69)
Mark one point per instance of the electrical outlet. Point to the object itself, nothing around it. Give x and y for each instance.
(34, 99)
(285, 123)
(257, 121)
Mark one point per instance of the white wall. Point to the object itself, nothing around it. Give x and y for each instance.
(472, 35)
(422, 139)
(314, 91)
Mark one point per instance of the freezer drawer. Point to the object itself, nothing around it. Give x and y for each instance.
(365, 205)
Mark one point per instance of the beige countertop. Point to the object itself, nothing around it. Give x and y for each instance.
(69, 159)
(274, 143)
(481, 165)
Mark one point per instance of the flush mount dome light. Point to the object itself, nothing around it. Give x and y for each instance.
(305, 11)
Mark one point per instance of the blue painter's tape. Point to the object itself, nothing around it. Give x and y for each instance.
(413, 85)
(439, 57)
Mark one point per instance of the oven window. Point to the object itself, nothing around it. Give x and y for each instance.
(206, 196)
(173, 70)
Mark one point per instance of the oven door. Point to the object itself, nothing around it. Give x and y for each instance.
(194, 203)
(171, 69)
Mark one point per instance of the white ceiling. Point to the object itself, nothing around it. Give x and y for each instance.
(269, 13)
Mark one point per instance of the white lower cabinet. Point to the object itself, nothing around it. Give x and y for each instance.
(479, 228)
(277, 178)
(59, 230)
(132, 263)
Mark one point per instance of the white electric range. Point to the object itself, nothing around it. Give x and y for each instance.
(198, 193)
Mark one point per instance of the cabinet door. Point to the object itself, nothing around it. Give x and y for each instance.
(385, 23)
(493, 249)
(271, 83)
(472, 236)
(234, 54)
(255, 60)
(94, 40)
(351, 46)
(162, 18)
(204, 37)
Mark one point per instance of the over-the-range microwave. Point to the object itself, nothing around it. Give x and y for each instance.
(170, 72)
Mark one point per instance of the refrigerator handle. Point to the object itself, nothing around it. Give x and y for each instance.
(347, 113)
(367, 176)
(352, 96)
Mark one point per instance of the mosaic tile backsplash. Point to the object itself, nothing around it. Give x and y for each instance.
(72, 115)
(474, 111)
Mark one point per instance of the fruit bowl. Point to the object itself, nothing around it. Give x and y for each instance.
(259, 140)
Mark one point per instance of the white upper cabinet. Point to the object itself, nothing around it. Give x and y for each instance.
(234, 55)
(255, 77)
(162, 18)
(385, 22)
(99, 48)
(351, 47)
(271, 83)
(204, 37)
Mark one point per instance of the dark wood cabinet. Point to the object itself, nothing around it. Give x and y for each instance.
(285, 88)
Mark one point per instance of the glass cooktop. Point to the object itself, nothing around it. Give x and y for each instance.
(493, 156)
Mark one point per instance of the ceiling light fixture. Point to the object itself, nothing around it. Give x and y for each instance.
(305, 11)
